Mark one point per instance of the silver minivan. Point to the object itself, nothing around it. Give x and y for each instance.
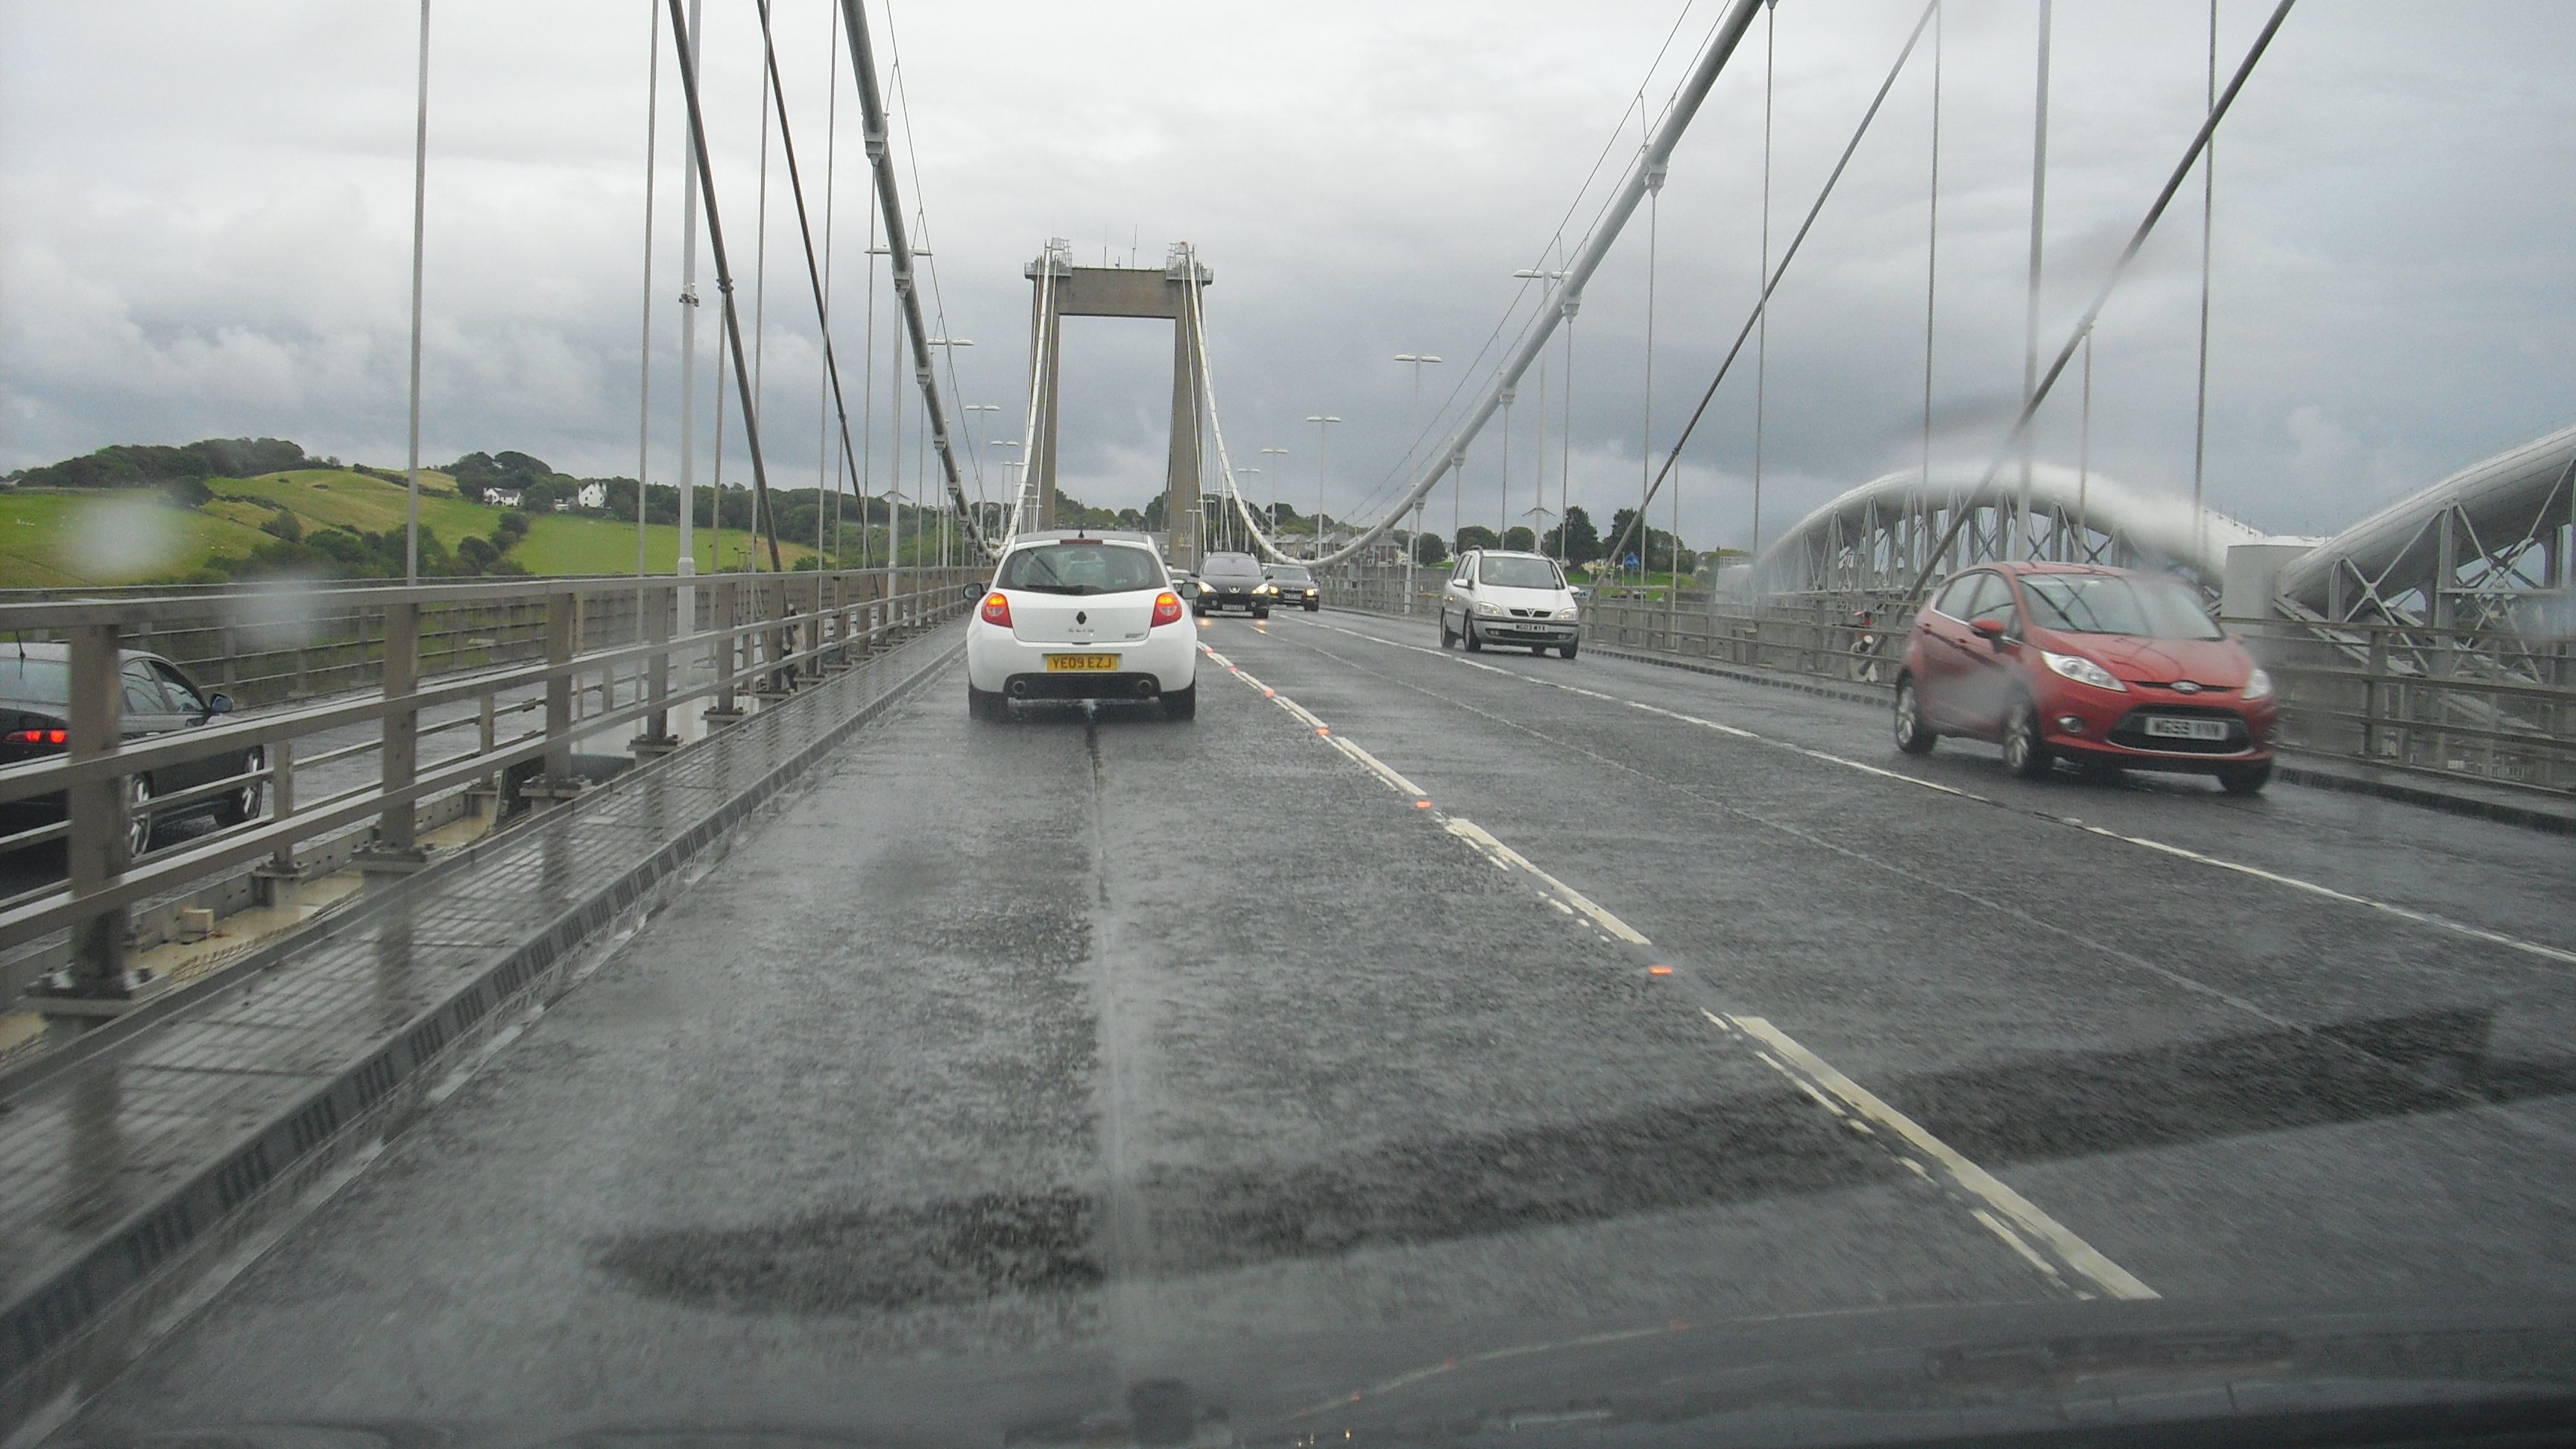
(1509, 598)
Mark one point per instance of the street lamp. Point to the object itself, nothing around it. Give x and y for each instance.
(1412, 442)
(1275, 474)
(1323, 433)
(1251, 473)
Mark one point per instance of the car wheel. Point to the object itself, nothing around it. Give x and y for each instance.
(138, 815)
(1913, 734)
(985, 704)
(2025, 753)
(242, 805)
(1261, 613)
(1448, 636)
(1313, 607)
(2245, 779)
(1474, 644)
(1182, 703)
(1567, 650)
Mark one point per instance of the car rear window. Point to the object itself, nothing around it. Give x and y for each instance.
(35, 681)
(1518, 573)
(2116, 604)
(1080, 568)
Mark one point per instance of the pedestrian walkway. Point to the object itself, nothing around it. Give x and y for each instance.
(127, 1164)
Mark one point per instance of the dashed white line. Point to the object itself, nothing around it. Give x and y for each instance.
(2405, 913)
(1856, 1108)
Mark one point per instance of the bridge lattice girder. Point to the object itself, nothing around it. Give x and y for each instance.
(1875, 540)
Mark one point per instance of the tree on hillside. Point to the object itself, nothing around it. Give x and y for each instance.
(1476, 535)
(1575, 540)
(146, 465)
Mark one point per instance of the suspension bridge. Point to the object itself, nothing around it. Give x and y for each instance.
(646, 1007)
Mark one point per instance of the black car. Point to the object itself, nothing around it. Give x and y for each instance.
(1231, 581)
(1291, 586)
(157, 698)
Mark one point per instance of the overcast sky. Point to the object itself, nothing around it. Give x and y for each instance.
(205, 230)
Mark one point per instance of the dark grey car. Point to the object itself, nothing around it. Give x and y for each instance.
(1293, 587)
(1231, 581)
(157, 697)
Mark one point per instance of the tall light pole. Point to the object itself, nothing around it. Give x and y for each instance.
(952, 369)
(419, 229)
(1276, 473)
(1413, 544)
(687, 567)
(1016, 519)
(1323, 433)
(1253, 473)
(1548, 283)
(979, 474)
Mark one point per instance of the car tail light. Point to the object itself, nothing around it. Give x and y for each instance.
(1167, 609)
(43, 737)
(997, 609)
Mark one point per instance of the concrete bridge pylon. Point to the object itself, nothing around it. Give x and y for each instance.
(1059, 289)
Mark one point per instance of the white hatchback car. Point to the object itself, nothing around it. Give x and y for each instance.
(1074, 615)
(1510, 598)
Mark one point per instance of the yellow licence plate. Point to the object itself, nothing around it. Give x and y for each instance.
(1063, 663)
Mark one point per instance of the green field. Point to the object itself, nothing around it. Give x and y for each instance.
(132, 536)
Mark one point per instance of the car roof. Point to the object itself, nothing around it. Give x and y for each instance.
(1508, 553)
(1083, 535)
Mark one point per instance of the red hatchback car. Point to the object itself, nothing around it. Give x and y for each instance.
(2103, 667)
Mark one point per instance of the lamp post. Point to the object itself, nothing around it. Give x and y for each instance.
(1016, 519)
(1253, 473)
(1547, 281)
(1276, 473)
(1323, 433)
(952, 368)
(1414, 440)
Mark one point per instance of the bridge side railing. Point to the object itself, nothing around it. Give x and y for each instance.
(524, 668)
(2483, 703)
(2476, 703)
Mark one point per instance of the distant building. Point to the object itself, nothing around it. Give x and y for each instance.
(592, 495)
(503, 497)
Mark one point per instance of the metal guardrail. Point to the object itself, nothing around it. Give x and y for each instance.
(2482, 703)
(588, 654)
(2460, 702)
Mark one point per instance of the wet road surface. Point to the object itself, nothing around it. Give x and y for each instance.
(1011, 1067)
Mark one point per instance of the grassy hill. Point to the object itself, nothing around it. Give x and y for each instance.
(77, 538)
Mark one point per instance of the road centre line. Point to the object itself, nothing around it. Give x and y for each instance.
(2406, 913)
(1811, 1074)
(2016, 1209)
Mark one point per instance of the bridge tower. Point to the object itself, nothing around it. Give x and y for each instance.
(1059, 289)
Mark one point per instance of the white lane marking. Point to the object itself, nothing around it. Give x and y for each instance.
(1384, 771)
(1811, 1074)
(2070, 1249)
(2405, 913)
(1470, 831)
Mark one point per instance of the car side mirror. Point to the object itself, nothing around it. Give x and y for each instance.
(219, 703)
(1993, 629)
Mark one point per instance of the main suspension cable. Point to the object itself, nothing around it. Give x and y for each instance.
(899, 253)
(1772, 284)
